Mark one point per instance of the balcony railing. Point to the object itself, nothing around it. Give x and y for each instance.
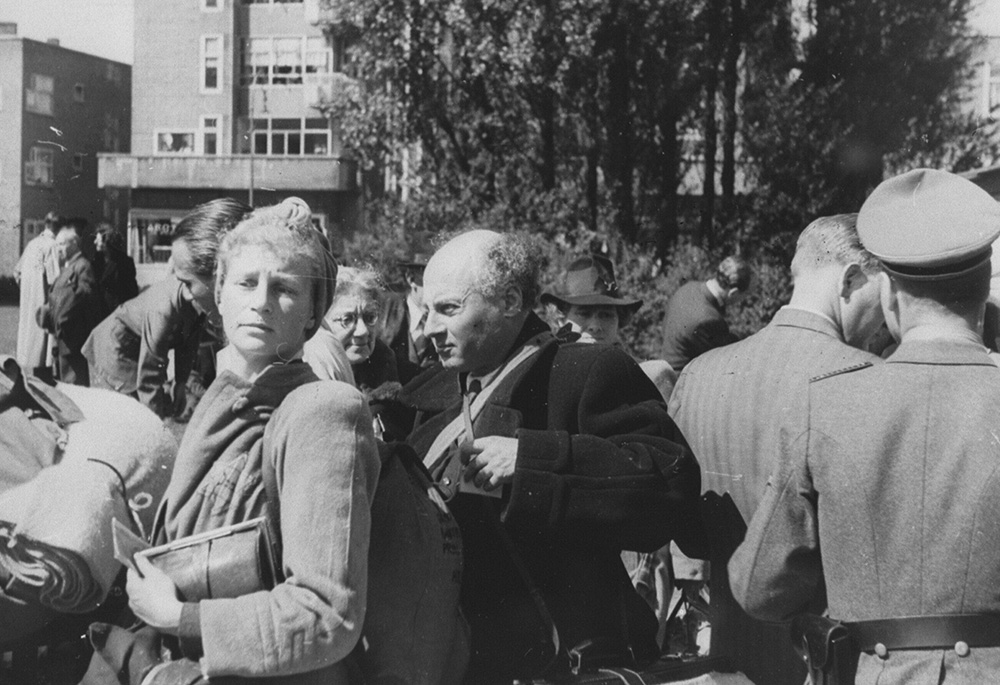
(231, 172)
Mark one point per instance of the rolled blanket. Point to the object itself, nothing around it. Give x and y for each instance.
(55, 529)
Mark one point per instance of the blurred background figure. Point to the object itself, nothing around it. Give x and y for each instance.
(414, 351)
(74, 307)
(695, 319)
(113, 268)
(351, 328)
(35, 273)
(128, 351)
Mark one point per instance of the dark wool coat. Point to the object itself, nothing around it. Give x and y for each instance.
(890, 497)
(600, 468)
(75, 307)
(116, 278)
(694, 323)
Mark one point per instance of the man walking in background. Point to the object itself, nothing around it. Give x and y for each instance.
(75, 307)
(35, 273)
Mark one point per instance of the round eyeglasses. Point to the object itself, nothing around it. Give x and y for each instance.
(350, 319)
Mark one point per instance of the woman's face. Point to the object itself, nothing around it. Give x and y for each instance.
(354, 322)
(266, 305)
(595, 324)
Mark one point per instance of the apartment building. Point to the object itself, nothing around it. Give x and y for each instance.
(58, 109)
(223, 104)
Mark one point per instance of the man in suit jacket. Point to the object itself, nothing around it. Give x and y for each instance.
(695, 320)
(75, 307)
(571, 458)
(414, 351)
(731, 403)
(887, 496)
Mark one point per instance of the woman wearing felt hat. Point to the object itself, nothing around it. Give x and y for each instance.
(588, 300)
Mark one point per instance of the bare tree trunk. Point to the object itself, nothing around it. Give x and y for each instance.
(730, 81)
(711, 126)
(621, 160)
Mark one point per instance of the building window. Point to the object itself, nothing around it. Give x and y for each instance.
(38, 168)
(211, 64)
(78, 161)
(211, 5)
(174, 142)
(113, 73)
(209, 131)
(111, 133)
(78, 92)
(38, 96)
(283, 61)
(272, 2)
(31, 229)
(286, 137)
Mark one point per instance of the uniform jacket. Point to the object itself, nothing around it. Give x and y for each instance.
(600, 468)
(731, 404)
(127, 352)
(694, 323)
(318, 437)
(889, 496)
(74, 303)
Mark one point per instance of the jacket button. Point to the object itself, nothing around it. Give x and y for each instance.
(240, 404)
(962, 648)
(881, 651)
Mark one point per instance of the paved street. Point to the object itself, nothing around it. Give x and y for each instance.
(8, 328)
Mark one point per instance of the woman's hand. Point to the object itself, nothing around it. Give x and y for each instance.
(153, 597)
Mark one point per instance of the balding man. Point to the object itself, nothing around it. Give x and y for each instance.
(887, 496)
(557, 456)
(732, 402)
(75, 307)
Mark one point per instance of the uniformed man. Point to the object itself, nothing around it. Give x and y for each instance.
(890, 494)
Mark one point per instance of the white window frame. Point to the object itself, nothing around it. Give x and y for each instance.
(203, 87)
(39, 159)
(173, 131)
(270, 134)
(40, 100)
(204, 130)
(306, 56)
(205, 7)
(79, 92)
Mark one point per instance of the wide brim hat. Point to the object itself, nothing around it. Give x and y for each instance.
(414, 260)
(589, 281)
(929, 225)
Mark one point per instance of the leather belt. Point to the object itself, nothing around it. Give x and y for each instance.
(926, 632)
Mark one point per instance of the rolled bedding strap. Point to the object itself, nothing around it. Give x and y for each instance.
(56, 546)
(57, 578)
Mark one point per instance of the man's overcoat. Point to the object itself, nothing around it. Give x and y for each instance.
(600, 468)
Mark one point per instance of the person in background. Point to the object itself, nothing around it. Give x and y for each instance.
(267, 411)
(35, 273)
(694, 321)
(885, 497)
(113, 268)
(128, 351)
(556, 457)
(732, 402)
(414, 351)
(74, 307)
(352, 325)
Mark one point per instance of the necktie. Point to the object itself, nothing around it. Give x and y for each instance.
(419, 340)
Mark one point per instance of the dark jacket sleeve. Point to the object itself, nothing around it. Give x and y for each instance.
(622, 477)
(160, 322)
(75, 306)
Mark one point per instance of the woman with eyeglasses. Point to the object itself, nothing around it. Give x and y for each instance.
(353, 323)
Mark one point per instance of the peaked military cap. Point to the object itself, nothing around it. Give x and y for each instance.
(929, 225)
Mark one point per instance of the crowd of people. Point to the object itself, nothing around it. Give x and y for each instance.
(474, 489)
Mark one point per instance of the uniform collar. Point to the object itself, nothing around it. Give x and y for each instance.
(796, 317)
(942, 351)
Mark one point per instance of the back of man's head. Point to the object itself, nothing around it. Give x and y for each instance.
(733, 273)
(832, 241)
